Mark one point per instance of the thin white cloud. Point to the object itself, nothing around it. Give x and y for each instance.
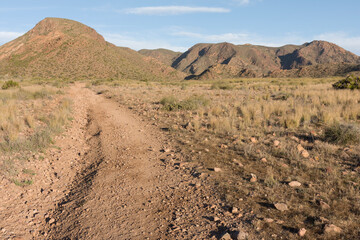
(226, 37)
(351, 43)
(8, 36)
(242, 2)
(174, 10)
(137, 44)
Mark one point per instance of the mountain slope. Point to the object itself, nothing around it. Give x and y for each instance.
(163, 55)
(62, 48)
(224, 60)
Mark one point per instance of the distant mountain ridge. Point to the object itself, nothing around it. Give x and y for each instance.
(226, 60)
(66, 49)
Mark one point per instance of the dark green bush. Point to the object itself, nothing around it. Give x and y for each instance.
(10, 84)
(350, 82)
(342, 134)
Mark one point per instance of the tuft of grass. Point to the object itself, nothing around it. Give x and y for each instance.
(342, 134)
(23, 183)
(10, 84)
(170, 103)
(29, 172)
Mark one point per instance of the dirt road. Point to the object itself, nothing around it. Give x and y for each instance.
(115, 176)
(134, 185)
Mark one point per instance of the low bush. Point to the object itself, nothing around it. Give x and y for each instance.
(350, 82)
(342, 134)
(9, 84)
(170, 103)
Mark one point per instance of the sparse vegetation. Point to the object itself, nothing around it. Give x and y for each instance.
(10, 84)
(170, 103)
(278, 130)
(30, 117)
(342, 134)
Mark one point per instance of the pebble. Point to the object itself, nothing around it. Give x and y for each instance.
(302, 232)
(332, 229)
(324, 205)
(263, 160)
(294, 184)
(253, 140)
(234, 210)
(253, 178)
(217, 169)
(281, 206)
(226, 236)
(276, 143)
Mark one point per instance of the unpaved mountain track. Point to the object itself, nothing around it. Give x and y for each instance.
(129, 187)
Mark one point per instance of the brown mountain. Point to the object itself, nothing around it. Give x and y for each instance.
(225, 60)
(62, 48)
(163, 55)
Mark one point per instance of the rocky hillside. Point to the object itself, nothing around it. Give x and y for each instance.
(163, 55)
(61, 48)
(225, 60)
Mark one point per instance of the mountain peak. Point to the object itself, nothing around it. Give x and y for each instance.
(62, 26)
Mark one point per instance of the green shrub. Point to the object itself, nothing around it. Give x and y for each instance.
(9, 84)
(350, 82)
(342, 134)
(170, 103)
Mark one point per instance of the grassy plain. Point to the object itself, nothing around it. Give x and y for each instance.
(31, 114)
(264, 134)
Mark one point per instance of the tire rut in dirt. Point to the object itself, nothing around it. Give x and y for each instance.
(69, 209)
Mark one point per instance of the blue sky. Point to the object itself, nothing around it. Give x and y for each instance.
(178, 25)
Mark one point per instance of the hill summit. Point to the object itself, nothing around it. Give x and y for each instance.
(62, 48)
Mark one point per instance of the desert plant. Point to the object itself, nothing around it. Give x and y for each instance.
(350, 82)
(10, 84)
(342, 134)
(170, 103)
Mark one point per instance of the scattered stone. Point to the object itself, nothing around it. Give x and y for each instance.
(263, 160)
(226, 236)
(206, 150)
(295, 139)
(281, 207)
(268, 220)
(300, 148)
(332, 229)
(253, 140)
(51, 221)
(223, 146)
(241, 235)
(324, 205)
(217, 169)
(253, 178)
(302, 232)
(294, 184)
(216, 219)
(305, 154)
(276, 143)
(234, 210)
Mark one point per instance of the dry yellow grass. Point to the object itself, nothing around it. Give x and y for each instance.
(29, 117)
